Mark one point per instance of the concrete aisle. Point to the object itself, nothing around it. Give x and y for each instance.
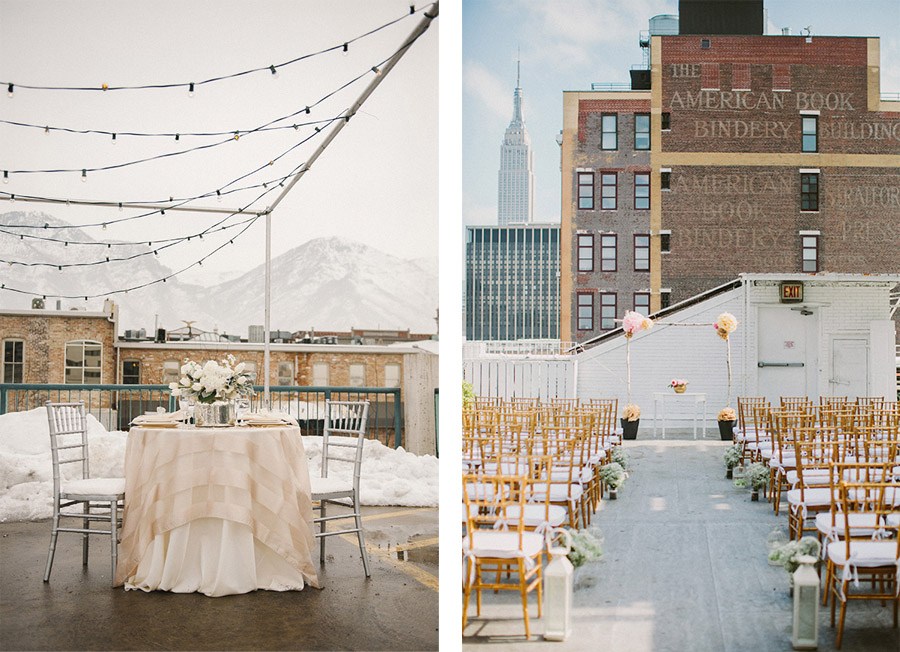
(684, 569)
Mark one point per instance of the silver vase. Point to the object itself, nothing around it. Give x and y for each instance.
(214, 415)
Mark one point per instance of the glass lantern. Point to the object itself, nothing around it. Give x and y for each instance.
(558, 590)
(805, 634)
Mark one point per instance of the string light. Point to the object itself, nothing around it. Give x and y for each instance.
(106, 87)
(191, 90)
(9, 90)
(113, 139)
(376, 70)
(274, 71)
(83, 176)
(5, 176)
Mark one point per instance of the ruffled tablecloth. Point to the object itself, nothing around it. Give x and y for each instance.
(216, 510)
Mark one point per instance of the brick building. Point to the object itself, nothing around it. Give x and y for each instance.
(76, 347)
(744, 153)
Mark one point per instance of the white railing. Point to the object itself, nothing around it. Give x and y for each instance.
(482, 348)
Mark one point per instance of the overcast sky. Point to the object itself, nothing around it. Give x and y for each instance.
(568, 45)
(377, 183)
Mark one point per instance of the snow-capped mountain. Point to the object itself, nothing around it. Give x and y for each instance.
(326, 284)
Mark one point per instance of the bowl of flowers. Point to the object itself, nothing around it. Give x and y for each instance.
(679, 385)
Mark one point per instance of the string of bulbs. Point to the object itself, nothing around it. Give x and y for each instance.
(191, 86)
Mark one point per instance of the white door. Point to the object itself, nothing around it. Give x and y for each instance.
(849, 367)
(786, 353)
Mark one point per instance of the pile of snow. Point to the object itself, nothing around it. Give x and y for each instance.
(389, 476)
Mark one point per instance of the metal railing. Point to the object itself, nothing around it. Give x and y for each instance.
(114, 406)
(481, 348)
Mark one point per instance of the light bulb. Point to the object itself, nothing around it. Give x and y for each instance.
(12, 198)
(120, 207)
(9, 90)
(219, 196)
(113, 139)
(5, 176)
(274, 71)
(376, 70)
(83, 176)
(191, 89)
(47, 130)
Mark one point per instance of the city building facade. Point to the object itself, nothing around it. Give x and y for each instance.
(512, 282)
(747, 153)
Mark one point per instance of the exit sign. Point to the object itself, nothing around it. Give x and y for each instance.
(791, 292)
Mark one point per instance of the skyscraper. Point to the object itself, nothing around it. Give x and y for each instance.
(515, 191)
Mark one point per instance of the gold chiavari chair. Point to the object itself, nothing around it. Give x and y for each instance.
(813, 492)
(746, 405)
(858, 555)
(495, 543)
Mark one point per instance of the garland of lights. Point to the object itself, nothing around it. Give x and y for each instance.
(246, 223)
(191, 86)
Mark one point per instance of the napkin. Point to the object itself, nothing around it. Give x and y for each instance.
(268, 417)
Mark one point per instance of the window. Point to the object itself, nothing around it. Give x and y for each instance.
(810, 129)
(171, 371)
(320, 374)
(665, 180)
(666, 121)
(642, 253)
(608, 191)
(607, 310)
(809, 191)
(357, 375)
(665, 241)
(609, 138)
(810, 252)
(585, 252)
(665, 298)
(642, 303)
(586, 191)
(608, 247)
(82, 362)
(704, 44)
(641, 190)
(285, 373)
(13, 361)
(392, 375)
(131, 372)
(642, 131)
(585, 312)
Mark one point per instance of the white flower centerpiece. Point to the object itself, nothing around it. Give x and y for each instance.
(213, 387)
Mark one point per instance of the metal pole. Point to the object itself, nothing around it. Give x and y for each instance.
(268, 300)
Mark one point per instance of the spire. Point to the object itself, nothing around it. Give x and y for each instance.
(517, 117)
(518, 66)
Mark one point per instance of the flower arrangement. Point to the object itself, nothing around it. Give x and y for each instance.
(725, 325)
(733, 456)
(468, 394)
(631, 412)
(758, 475)
(620, 457)
(213, 381)
(726, 414)
(788, 554)
(587, 546)
(678, 382)
(613, 475)
(634, 322)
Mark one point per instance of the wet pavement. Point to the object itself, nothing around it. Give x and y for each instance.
(684, 569)
(396, 609)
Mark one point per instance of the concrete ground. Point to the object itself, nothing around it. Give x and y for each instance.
(684, 569)
(396, 609)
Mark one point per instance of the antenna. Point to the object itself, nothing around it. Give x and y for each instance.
(518, 65)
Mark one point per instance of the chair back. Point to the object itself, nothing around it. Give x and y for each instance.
(68, 438)
(344, 435)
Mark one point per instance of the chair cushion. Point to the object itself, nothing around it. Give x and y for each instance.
(860, 524)
(558, 492)
(865, 554)
(322, 486)
(536, 516)
(500, 544)
(811, 497)
(93, 487)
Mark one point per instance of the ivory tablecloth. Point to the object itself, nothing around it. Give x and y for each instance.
(216, 510)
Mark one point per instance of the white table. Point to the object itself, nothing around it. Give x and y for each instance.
(660, 399)
(219, 511)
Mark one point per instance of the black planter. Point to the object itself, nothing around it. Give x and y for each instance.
(629, 428)
(726, 430)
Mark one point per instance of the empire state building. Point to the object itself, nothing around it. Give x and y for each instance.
(515, 192)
